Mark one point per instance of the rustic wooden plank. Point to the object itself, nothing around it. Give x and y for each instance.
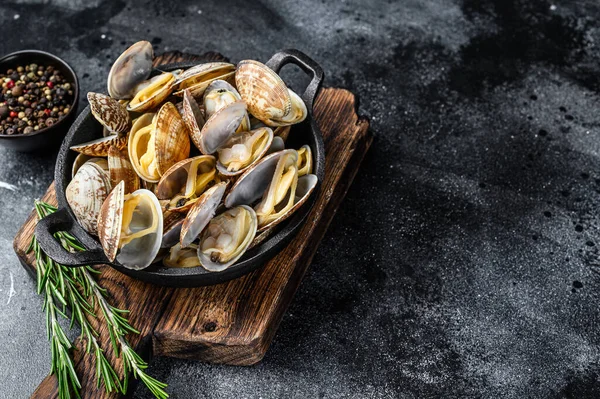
(235, 322)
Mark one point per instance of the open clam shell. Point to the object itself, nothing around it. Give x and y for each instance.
(263, 90)
(297, 114)
(156, 145)
(185, 181)
(226, 238)
(171, 229)
(151, 93)
(198, 78)
(220, 127)
(85, 194)
(279, 197)
(253, 183)
(201, 213)
(219, 94)
(109, 112)
(132, 67)
(192, 116)
(304, 188)
(82, 159)
(100, 147)
(130, 227)
(182, 257)
(120, 169)
(243, 150)
(305, 160)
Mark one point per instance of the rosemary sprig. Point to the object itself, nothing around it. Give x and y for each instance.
(77, 289)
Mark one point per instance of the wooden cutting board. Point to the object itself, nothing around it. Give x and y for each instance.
(235, 322)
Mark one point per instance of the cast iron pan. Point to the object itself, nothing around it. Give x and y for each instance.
(86, 128)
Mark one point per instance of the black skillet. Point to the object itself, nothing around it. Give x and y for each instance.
(86, 128)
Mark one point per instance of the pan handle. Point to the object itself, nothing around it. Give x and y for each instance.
(307, 64)
(61, 221)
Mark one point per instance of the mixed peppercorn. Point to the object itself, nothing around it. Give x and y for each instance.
(33, 97)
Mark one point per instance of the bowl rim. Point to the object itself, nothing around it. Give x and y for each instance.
(75, 92)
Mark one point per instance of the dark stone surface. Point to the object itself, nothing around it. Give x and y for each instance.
(463, 261)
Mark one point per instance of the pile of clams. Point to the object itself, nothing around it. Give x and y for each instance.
(192, 169)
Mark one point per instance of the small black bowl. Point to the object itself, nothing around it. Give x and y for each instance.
(52, 136)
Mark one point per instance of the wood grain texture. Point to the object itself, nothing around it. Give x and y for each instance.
(234, 322)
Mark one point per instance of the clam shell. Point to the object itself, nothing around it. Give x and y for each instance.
(85, 194)
(220, 127)
(259, 142)
(100, 147)
(151, 93)
(172, 139)
(305, 160)
(201, 213)
(110, 220)
(198, 89)
(182, 257)
(176, 179)
(82, 159)
(296, 115)
(276, 145)
(131, 68)
(192, 116)
(275, 203)
(263, 90)
(140, 252)
(112, 115)
(197, 78)
(304, 188)
(171, 229)
(248, 236)
(219, 94)
(158, 142)
(252, 184)
(120, 169)
(137, 252)
(138, 143)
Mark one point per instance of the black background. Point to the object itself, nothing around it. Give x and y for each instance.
(463, 260)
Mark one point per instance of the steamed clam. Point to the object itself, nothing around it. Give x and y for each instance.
(220, 127)
(305, 165)
(267, 96)
(120, 169)
(185, 181)
(129, 70)
(219, 94)
(86, 192)
(243, 150)
(226, 238)
(146, 193)
(275, 184)
(157, 144)
(151, 93)
(201, 213)
(130, 227)
(197, 78)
